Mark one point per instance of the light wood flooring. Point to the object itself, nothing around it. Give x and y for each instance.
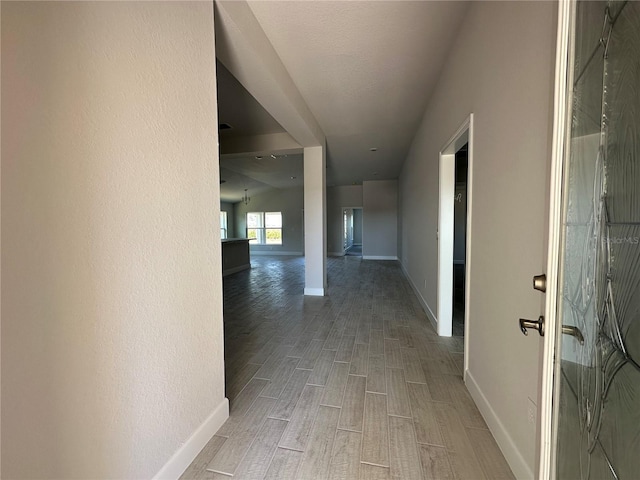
(354, 385)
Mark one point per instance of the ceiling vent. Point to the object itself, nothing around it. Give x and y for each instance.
(224, 126)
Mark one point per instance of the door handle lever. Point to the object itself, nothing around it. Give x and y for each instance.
(574, 332)
(533, 324)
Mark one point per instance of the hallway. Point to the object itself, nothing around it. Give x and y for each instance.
(352, 385)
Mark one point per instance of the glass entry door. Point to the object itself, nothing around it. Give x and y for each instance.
(596, 408)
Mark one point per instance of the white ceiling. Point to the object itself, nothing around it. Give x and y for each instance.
(247, 117)
(237, 108)
(365, 69)
(258, 175)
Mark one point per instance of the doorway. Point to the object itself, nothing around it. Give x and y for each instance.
(460, 240)
(352, 231)
(455, 181)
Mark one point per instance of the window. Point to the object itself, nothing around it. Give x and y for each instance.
(264, 228)
(223, 224)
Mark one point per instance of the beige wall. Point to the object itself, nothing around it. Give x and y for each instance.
(380, 219)
(500, 69)
(112, 349)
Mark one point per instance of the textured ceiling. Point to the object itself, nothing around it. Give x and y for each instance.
(366, 70)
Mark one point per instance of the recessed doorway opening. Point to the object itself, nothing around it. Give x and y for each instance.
(454, 234)
(352, 231)
(460, 240)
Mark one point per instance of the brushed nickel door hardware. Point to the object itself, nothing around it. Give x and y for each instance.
(540, 283)
(574, 332)
(532, 324)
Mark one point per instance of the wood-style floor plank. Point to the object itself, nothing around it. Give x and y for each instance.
(424, 415)
(233, 450)
(412, 366)
(376, 342)
(438, 360)
(321, 371)
(362, 335)
(297, 433)
(375, 434)
(435, 463)
(345, 351)
(398, 402)
(290, 395)
(403, 450)
(240, 379)
(460, 396)
(284, 465)
(311, 355)
(317, 454)
(345, 459)
(271, 365)
(464, 462)
(239, 406)
(198, 467)
(392, 353)
(333, 340)
(359, 360)
(353, 404)
(376, 378)
(256, 462)
(336, 384)
(488, 453)
(458, 359)
(280, 378)
(374, 472)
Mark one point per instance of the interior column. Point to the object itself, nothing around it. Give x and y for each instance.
(315, 221)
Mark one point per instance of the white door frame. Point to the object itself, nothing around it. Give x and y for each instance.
(447, 180)
(563, 78)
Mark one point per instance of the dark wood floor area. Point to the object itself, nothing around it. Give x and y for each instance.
(354, 385)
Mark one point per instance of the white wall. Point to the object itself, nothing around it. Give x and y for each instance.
(315, 219)
(500, 69)
(290, 202)
(337, 198)
(112, 348)
(380, 219)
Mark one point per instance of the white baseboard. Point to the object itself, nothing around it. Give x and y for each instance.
(315, 292)
(181, 460)
(275, 252)
(379, 257)
(423, 302)
(336, 254)
(511, 453)
(230, 271)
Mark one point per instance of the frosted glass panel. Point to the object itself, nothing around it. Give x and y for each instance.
(598, 411)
